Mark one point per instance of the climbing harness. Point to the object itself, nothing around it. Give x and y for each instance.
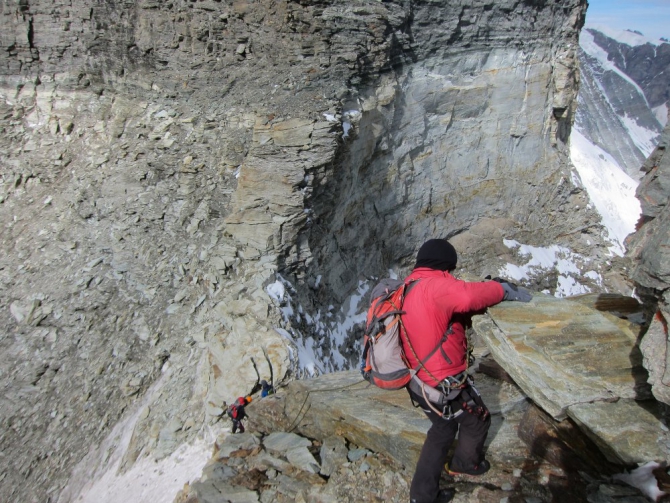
(454, 389)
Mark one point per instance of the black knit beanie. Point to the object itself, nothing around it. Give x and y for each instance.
(437, 254)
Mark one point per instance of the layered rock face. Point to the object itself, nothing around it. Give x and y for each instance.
(648, 247)
(163, 163)
(576, 360)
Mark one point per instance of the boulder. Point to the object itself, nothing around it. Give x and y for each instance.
(333, 454)
(575, 361)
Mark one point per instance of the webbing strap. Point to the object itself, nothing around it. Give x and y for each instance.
(421, 363)
(376, 322)
(439, 346)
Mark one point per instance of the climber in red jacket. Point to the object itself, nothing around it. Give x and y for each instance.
(438, 309)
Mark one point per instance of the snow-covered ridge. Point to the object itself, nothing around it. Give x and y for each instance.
(588, 44)
(624, 36)
(644, 139)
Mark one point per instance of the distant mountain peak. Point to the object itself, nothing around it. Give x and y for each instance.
(629, 37)
(623, 97)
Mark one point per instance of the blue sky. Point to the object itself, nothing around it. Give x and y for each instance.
(651, 17)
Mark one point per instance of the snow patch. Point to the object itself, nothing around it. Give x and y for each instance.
(661, 114)
(352, 314)
(351, 116)
(149, 481)
(321, 339)
(307, 358)
(610, 189)
(98, 477)
(643, 479)
(644, 139)
(276, 290)
(544, 259)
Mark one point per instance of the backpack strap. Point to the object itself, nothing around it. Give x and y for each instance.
(377, 323)
(409, 285)
(421, 364)
(443, 339)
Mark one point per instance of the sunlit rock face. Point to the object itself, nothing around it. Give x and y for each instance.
(579, 358)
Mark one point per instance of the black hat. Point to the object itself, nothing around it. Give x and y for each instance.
(437, 254)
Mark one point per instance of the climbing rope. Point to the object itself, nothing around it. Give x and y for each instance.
(339, 388)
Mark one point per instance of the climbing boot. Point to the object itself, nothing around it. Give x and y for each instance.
(443, 496)
(478, 469)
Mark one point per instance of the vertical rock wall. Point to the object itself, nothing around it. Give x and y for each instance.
(648, 248)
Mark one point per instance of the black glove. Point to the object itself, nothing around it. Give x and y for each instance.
(514, 292)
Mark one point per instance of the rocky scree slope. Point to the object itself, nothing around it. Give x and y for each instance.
(337, 438)
(163, 162)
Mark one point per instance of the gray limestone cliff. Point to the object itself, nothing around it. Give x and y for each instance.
(164, 163)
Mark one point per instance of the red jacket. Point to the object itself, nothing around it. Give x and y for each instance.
(432, 303)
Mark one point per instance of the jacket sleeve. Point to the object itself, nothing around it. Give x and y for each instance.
(476, 296)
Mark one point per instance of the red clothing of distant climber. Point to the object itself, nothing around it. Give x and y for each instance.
(434, 302)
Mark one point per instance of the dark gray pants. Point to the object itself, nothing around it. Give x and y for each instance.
(237, 424)
(440, 436)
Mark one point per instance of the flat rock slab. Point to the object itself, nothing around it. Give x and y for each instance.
(573, 360)
(281, 441)
(626, 432)
(562, 352)
(301, 458)
(229, 444)
(344, 405)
